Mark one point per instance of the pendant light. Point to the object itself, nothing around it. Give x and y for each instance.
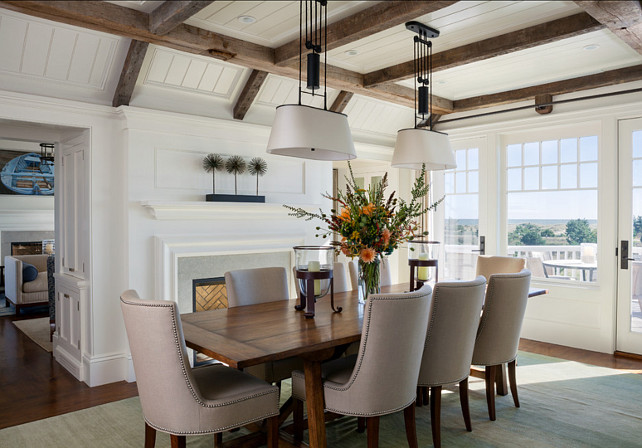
(305, 131)
(418, 146)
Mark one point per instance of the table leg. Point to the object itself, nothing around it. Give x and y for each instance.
(314, 401)
(501, 381)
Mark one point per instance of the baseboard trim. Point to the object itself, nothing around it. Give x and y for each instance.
(627, 355)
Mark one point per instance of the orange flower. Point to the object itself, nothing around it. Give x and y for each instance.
(345, 250)
(345, 214)
(367, 255)
(386, 236)
(368, 209)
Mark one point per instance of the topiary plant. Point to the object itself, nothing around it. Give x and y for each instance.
(235, 165)
(211, 164)
(257, 167)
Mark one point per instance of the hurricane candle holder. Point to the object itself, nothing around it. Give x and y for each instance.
(314, 272)
(422, 255)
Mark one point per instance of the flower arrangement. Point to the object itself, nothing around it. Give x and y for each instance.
(372, 226)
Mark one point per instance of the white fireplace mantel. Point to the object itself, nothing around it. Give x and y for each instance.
(218, 210)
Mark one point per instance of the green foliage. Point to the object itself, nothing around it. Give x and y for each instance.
(547, 233)
(578, 231)
(526, 234)
(637, 227)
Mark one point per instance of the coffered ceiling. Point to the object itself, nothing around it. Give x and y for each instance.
(240, 58)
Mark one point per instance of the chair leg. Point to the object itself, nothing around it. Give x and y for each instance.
(425, 395)
(411, 427)
(463, 399)
(297, 416)
(361, 424)
(420, 396)
(513, 382)
(178, 441)
(150, 436)
(218, 440)
(435, 415)
(373, 432)
(273, 432)
(490, 390)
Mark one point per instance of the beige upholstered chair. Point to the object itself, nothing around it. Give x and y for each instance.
(261, 285)
(450, 341)
(488, 265)
(636, 282)
(182, 401)
(538, 270)
(353, 269)
(382, 377)
(498, 334)
(21, 293)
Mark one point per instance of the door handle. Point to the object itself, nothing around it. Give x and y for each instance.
(482, 246)
(624, 255)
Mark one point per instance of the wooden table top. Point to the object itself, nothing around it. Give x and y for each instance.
(249, 335)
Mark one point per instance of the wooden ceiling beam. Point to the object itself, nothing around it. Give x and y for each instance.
(249, 93)
(171, 14)
(622, 75)
(623, 18)
(130, 72)
(544, 33)
(377, 18)
(341, 101)
(126, 22)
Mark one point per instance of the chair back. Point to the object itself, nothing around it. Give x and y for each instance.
(454, 319)
(354, 275)
(488, 265)
(501, 322)
(341, 283)
(252, 286)
(163, 374)
(636, 281)
(536, 266)
(385, 375)
(385, 278)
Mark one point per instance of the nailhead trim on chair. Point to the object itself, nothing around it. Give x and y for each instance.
(189, 383)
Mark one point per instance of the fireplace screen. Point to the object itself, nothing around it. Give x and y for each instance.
(208, 294)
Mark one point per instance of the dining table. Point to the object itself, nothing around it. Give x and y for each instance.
(585, 267)
(250, 335)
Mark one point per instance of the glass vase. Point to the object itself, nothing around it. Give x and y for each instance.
(369, 278)
(315, 259)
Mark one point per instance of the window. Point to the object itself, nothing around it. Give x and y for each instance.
(461, 215)
(552, 206)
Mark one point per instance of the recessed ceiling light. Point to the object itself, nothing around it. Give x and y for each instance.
(246, 19)
(592, 47)
(352, 52)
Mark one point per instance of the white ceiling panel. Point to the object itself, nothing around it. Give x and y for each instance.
(462, 23)
(539, 65)
(277, 22)
(51, 59)
(172, 69)
(376, 118)
(143, 6)
(277, 90)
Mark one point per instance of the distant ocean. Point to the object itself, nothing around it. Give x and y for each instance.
(542, 222)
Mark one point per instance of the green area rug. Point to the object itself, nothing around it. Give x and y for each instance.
(564, 404)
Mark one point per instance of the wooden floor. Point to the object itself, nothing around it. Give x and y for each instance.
(34, 386)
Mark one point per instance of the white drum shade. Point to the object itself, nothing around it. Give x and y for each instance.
(415, 147)
(311, 133)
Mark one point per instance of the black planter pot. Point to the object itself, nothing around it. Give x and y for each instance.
(233, 198)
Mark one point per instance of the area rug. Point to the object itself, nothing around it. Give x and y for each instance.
(563, 404)
(37, 330)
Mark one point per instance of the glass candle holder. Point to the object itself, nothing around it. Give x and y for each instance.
(423, 250)
(315, 259)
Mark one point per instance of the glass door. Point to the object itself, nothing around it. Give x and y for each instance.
(463, 228)
(629, 302)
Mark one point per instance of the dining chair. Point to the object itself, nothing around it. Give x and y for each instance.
(538, 270)
(494, 264)
(636, 282)
(261, 285)
(382, 378)
(182, 401)
(450, 341)
(499, 329)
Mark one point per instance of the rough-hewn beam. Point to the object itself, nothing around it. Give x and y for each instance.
(341, 101)
(544, 33)
(624, 18)
(172, 13)
(627, 74)
(129, 74)
(439, 105)
(249, 92)
(377, 18)
(125, 22)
